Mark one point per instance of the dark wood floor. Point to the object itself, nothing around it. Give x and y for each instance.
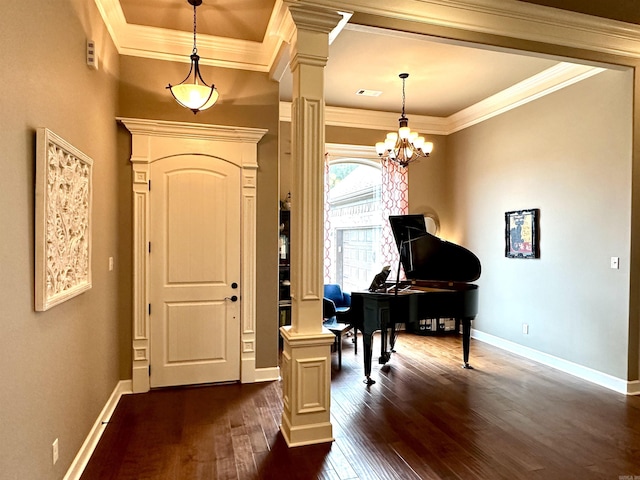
(425, 418)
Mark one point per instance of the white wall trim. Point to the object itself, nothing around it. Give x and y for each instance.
(509, 18)
(269, 374)
(79, 463)
(155, 139)
(594, 376)
(124, 387)
(342, 151)
(162, 44)
(513, 19)
(551, 80)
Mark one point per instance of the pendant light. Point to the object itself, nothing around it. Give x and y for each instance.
(198, 95)
(403, 146)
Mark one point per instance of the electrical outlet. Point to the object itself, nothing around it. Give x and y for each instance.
(525, 328)
(54, 449)
(110, 263)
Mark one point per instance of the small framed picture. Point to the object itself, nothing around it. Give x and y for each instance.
(521, 234)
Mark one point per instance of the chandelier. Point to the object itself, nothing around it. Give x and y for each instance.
(403, 146)
(198, 95)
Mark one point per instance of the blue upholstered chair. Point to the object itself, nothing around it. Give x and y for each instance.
(328, 310)
(335, 300)
(341, 301)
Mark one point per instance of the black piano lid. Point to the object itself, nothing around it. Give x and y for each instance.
(427, 257)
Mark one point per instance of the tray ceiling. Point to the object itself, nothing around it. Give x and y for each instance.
(445, 77)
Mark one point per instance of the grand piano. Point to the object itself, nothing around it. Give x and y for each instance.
(437, 287)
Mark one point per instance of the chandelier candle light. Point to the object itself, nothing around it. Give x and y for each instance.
(403, 146)
(198, 95)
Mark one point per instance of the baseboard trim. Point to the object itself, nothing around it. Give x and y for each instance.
(594, 376)
(125, 387)
(633, 388)
(269, 374)
(84, 454)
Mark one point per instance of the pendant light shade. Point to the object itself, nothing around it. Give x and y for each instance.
(196, 95)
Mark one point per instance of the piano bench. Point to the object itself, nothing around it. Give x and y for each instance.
(338, 329)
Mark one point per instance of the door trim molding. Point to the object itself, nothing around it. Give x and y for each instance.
(156, 139)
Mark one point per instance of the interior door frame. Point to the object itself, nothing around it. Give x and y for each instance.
(156, 139)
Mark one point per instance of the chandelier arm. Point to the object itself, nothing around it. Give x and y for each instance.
(202, 82)
(194, 56)
(199, 75)
(185, 78)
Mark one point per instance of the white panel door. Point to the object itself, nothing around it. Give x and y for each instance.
(194, 271)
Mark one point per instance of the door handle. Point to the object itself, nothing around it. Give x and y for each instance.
(233, 298)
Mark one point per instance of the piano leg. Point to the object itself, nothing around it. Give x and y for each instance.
(394, 337)
(355, 340)
(384, 355)
(368, 353)
(466, 336)
(386, 338)
(386, 335)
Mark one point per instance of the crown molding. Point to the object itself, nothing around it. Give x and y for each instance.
(553, 79)
(163, 44)
(370, 119)
(509, 18)
(113, 18)
(498, 17)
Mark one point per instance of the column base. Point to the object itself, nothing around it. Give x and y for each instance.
(306, 387)
(306, 434)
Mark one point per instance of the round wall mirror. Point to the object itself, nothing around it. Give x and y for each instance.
(433, 226)
(431, 219)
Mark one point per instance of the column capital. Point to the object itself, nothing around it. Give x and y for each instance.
(312, 17)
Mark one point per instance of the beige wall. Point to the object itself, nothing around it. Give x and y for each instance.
(247, 99)
(427, 178)
(632, 331)
(286, 167)
(58, 367)
(430, 190)
(568, 154)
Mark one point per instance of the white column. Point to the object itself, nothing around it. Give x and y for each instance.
(306, 359)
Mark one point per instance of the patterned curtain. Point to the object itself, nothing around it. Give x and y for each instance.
(327, 223)
(395, 201)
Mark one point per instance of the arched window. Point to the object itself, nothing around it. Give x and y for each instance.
(360, 194)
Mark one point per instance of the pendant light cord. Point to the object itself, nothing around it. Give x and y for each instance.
(195, 49)
(404, 79)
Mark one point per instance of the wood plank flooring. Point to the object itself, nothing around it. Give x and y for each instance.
(425, 418)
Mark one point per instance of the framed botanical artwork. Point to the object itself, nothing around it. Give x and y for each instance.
(521, 234)
(62, 220)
